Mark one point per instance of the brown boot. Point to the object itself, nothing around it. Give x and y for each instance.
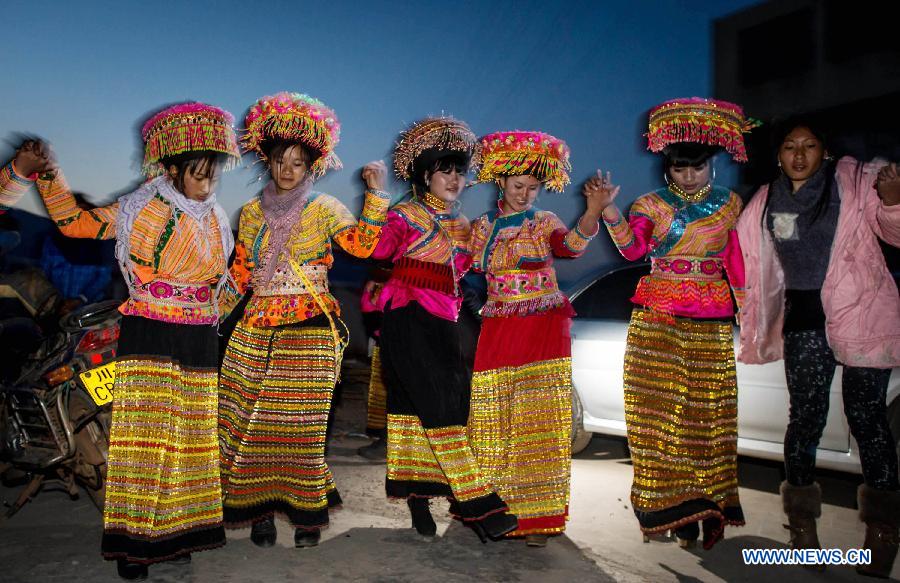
(880, 510)
(803, 505)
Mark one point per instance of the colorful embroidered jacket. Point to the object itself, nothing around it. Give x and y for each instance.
(516, 253)
(172, 279)
(689, 245)
(12, 186)
(430, 254)
(285, 299)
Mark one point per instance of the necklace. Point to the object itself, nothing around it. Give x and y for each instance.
(696, 197)
(436, 203)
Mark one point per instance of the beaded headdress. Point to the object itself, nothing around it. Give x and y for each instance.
(188, 127)
(516, 153)
(702, 121)
(434, 136)
(295, 117)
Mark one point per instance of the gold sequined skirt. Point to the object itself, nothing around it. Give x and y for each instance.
(681, 414)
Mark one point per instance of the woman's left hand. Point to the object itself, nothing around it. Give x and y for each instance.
(375, 175)
(888, 184)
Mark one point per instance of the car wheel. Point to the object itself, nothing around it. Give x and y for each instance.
(580, 437)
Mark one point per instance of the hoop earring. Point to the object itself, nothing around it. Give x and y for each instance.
(666, 177)
(713, 177)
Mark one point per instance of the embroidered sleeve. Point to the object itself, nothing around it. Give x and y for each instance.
(634, 237)
(359, 238)
(242, 267)
(734, 267)
(565, 242)
(478, 241)
(98, 223)
(12, 186)
(392, 237)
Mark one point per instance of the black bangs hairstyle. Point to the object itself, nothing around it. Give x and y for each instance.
(782, 129)
(204, 161)
(275, 148)
(429, 163)
(684, 154)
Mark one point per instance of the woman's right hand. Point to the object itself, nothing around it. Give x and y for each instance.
(34, 157)
(600, 191)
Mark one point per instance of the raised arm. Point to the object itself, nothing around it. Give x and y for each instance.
(887, 209)
(97, 223)
(32, 158)
(359, 237)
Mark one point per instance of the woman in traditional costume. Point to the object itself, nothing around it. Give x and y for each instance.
(283, 358)
(680, 382)
(426, 237)
(521, 409)
(173, 240)
(819, 294)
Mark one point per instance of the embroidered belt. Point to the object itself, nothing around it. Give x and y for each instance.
(424, 274)
(686, 267)
(170, 301)
(171, 293)
(521, 284)
(285, 282)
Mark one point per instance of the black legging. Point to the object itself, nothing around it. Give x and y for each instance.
(809, 365)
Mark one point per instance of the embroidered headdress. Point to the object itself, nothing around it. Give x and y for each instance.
(188, 127)
(295, 117)
(427, 141)
(702, 121)
(516, 153)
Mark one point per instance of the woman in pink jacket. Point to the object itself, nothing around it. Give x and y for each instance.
(818, 294)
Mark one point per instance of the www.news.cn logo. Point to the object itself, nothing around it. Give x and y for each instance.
(806, 556)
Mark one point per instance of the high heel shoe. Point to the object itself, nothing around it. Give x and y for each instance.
(687, 535)
(263, 533)
(494, 526)
(421, 516)
(131, 571)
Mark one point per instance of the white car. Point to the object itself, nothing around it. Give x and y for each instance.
(598, 353)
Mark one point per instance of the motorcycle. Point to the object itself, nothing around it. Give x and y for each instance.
(55, 417)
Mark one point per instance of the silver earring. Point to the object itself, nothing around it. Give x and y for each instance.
(666, 177)
(713, 177)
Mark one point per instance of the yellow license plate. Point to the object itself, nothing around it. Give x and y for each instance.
(99, 382)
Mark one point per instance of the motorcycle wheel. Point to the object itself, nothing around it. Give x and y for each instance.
(92, 449)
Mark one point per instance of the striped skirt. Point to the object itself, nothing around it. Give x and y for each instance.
(376, 405)
(520, 421)
(681, 414)
(275, 393)
(428, 451)
(163, 497)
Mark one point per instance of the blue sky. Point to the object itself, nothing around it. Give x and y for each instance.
(83, 73)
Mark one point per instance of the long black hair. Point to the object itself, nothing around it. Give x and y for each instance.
(782, 130)
(190, 161)
(431, 161)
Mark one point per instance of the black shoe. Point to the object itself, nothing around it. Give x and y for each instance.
(713, 531)
(421, 516)
(687, 535)
(263, 533)
(306, 538)
(375, 451)
(180, 560)
(494, 526)
(131, 571)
